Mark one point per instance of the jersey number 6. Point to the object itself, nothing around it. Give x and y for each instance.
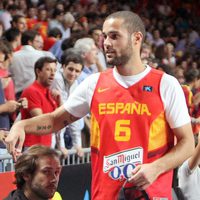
(122, 130)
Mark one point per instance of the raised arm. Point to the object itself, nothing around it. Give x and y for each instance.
(39, 125)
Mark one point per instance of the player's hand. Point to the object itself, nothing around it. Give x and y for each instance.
(15, 140)
(143, 176)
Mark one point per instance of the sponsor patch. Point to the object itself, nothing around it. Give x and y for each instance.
(120, 165)
(147, 88)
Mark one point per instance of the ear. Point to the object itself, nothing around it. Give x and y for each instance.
(37, 71)
(27, 177)
(30, 43)
(83, 55)
(136, 37)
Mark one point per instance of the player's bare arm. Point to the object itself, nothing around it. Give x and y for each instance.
(39, 125)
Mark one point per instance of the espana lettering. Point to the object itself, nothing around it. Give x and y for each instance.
(124, 108)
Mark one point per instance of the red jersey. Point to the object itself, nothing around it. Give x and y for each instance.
(194, 111)
(188, 97)
(128, 127)
(38, 97)
(43, 26)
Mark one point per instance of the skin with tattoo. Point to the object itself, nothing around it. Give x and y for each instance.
(40, 125)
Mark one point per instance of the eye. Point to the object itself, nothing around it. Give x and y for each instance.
(57, 172)
(104, 35)
(113, 36)
(48, 69)
(70, 69)
(47, 172)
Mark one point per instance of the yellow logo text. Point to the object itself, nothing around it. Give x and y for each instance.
(123, 108)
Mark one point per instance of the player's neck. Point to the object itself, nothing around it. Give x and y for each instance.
(129, 70)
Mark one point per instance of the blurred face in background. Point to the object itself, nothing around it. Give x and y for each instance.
(96, 35)
(21, 24)
(32, 13)
(42, 15)
(2, 59)
(71, 71)
(145, 53)
(1, 29)
(90, 57)
(38, 42)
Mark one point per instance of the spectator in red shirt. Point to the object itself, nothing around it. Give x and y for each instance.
(40, 98)
(54, 35)
(40, 24)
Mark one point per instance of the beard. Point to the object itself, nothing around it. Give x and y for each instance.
(122, 59)
(118, 60)
(42, 192)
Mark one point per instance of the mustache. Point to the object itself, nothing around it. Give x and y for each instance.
(53, 185)
(109, 51)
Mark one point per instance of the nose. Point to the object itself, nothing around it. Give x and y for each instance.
(106, 42)
(54, 178)
(53, 71)
(96, 50)
(1, 65)
(73, 73)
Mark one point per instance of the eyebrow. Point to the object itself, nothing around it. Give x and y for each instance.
(111, 32)
(49, 167)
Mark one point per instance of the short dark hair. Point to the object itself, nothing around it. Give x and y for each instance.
(55, 32)
(132, 21)
(11, 34)
(94, 28)
(42, 61)
(57, 12)
(191, 75)
(16, 18)
(27, 162)
(28, 35)
(5, 48)
(71, 55)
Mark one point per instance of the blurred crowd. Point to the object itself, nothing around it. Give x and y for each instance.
(31, 29)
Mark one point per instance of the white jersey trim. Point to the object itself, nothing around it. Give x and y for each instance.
(172, 96)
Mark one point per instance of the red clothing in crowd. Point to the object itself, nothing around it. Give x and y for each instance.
(42, 26)
(48, 43)
(194, 111)
(9, 90)
(38, 97)
(188, 97)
